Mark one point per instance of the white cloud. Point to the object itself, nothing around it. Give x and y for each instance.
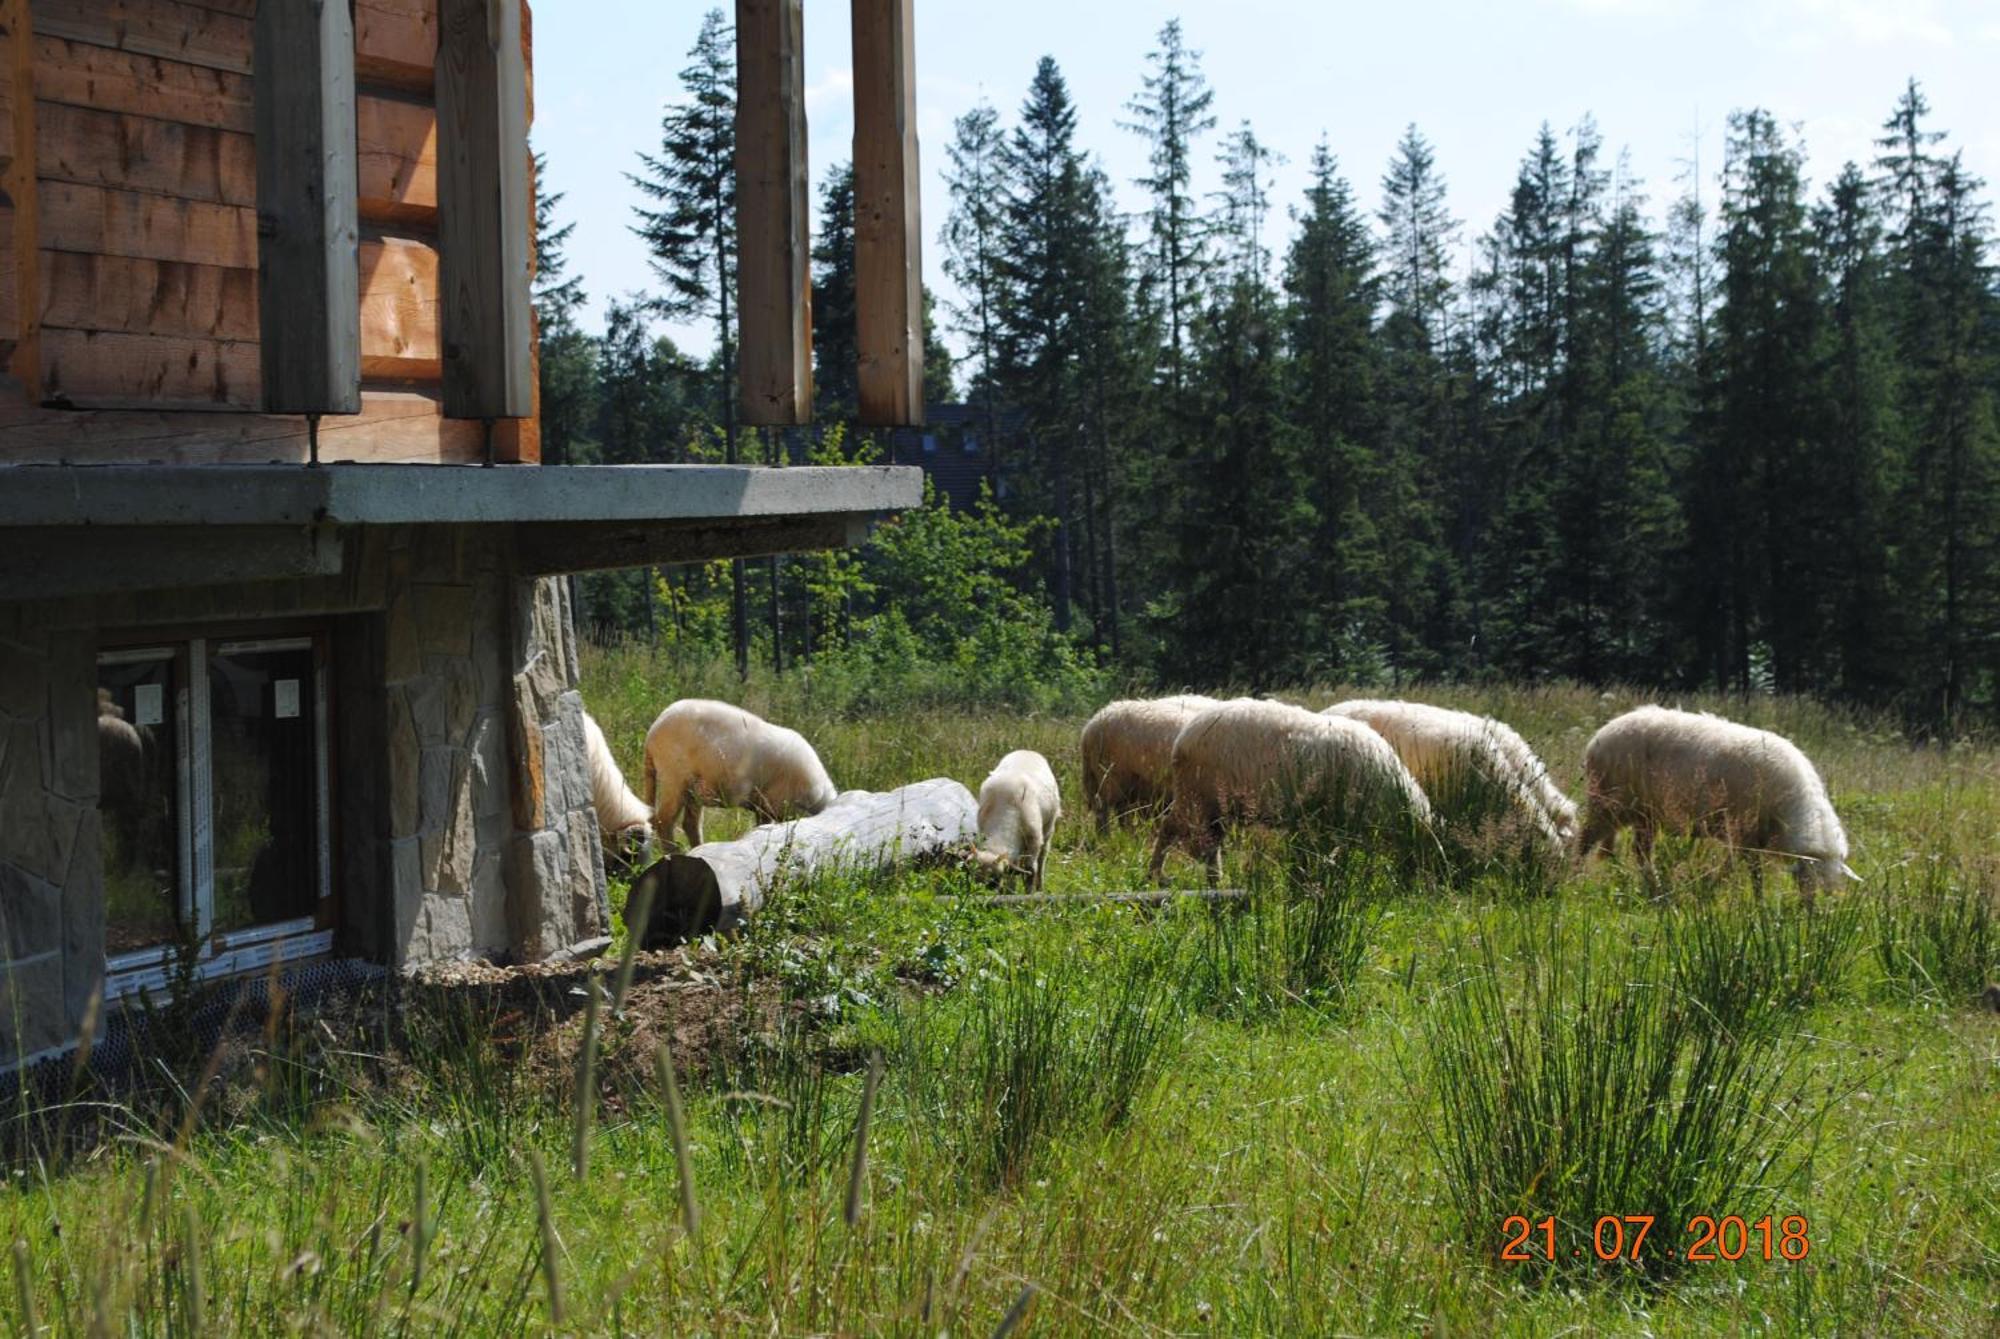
(1873, 21)
(837, 85)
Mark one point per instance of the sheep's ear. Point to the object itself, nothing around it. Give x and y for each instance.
(1848, 870)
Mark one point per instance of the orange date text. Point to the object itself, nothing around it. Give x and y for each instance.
(1633, 1236)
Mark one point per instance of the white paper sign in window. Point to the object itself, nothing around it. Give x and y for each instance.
(287, 693)
(148, 704)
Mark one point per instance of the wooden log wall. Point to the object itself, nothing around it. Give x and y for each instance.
(128, 243)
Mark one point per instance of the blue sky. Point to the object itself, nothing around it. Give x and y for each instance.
(1477, 76)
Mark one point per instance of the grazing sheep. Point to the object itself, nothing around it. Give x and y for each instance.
(702, 752)
(1700, 774)
(1249, 760)
(623, 819)
(122, 781)
(1128, 753)
(1470, 765)
(1019, 804)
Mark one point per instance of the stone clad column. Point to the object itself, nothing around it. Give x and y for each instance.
(555, 863)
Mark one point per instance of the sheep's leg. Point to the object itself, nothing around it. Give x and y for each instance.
(691, 820)
(1600, 833)
(667, 810)
(1642, 851)
(1165, 837)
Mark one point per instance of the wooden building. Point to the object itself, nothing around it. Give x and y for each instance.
(283, 671)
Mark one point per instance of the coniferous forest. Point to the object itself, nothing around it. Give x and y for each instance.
(1731, 432)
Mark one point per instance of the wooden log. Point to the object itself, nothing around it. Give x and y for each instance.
(86, 292)
(146, 227)
(399, 310)
(396, 146)
(308, 208)
(141, 153)
(18, 183)
(773, 215)
(111, 369)
(720, 885)
(193, 34)
(484, 206)
(84, 75)
(396, 42)
(393, 425)
(888, 228)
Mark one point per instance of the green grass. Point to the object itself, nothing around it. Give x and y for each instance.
(1306, 1113)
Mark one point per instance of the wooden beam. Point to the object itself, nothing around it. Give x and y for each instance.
(484, 206)
(168, 29)
(773, 212)
(888, 229)
(84, 75)
(18, 182)
(308, 215)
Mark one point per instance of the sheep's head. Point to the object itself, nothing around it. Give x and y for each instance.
(993, 867)
(629, 850)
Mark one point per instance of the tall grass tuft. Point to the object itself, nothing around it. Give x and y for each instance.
(1937, 932)
(1046, 1042)
(545, 1223)
(1287, 944)
(1738, 958)
(670, 1093)
(1587, 1083)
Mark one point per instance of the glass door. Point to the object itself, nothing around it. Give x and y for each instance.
(141, 724)
(215, 802)
(266, 775)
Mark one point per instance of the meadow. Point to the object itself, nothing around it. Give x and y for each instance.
(890, 1108)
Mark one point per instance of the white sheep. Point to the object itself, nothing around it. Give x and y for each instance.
(623, 819)
(1128, 753)
(1019, 804)
(1691, 772)
(1470, 765)
(1252, 761)
(702, 752)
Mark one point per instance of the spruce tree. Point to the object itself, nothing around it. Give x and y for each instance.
(567, 366)
(976, 181)
(692, 231)
(836, 355)
(1331, 368)
(1172, 111)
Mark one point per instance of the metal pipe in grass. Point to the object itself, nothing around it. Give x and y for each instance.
(670, 1090)
(857, 1178)
(1142, 897)
(586, 1084)
(545, 1219)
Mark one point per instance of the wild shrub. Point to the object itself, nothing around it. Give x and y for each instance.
(1587, 1083)
(1288, 943)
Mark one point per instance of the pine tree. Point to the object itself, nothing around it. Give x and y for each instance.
(1948, 325)
(977, 183)
(1044, 255)
(1172, 111)
(1332, 367)
(1756, 499)
(836, 355)
(567, 365)
(1422, 585)
(692, 233)
(1861, 439)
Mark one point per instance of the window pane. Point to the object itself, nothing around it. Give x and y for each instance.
(265, 768)
(136, 797)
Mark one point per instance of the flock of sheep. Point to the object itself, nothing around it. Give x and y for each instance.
(1204, 765)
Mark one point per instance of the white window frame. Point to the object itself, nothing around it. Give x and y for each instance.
(255, 947)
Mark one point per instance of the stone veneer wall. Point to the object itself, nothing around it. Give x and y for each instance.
(555, 866)
(464, 825)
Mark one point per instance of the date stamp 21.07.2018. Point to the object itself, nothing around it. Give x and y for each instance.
(1632, 1237)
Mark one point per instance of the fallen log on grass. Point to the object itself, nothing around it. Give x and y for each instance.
(719, 885)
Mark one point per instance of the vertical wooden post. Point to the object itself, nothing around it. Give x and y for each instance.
(773, 213)
(17, 179)
(888, 231)
(308, 209)
(484, 208)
